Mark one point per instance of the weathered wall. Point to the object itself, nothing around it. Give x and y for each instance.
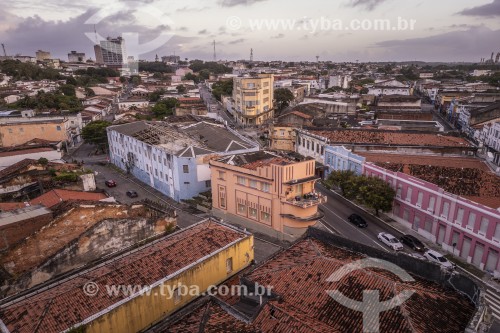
(106, 237)
(11, 234)
(143, 311)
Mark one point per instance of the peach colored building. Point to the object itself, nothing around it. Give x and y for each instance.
(17, 131)
(266, 193)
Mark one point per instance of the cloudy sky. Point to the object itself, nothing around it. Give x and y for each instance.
(337, 30)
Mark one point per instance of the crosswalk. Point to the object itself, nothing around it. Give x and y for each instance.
(492, 297)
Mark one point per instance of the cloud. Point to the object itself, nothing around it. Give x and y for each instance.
(488, 10)
(203, 32)
(278, 36)
(367, 4)
(187, 9)
(234, 3)
(460, 45)
(237, 41)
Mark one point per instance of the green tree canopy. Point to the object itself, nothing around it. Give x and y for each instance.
(165, 107)
(181, 89)
(282, 98)
(377, 194)
(224, 87)
(156, 95)
(95, 133)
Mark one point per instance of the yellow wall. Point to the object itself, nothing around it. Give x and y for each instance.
(261, 96)
(272, 202)
(17, 134)
(285, 142)
(143, 311)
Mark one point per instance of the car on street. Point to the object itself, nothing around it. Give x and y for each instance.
(439, 259)
(132, 194)
(390, 241)
(110, 183)
(413, 243)
(357, 221)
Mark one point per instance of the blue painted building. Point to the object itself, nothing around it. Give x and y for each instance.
(173, 157)
(338, 158)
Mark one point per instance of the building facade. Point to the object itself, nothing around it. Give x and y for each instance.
(338, 158)
(253, 99)
(74, 56)
(113, 52)
(42, 55)
(173, 158)
(282, 138)
(460, 226)
(267, 193)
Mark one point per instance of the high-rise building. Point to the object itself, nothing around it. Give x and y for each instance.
(98, 54)
(42, 55)
(253, 97)
(74, 56)
(113, 52)
(171, 58)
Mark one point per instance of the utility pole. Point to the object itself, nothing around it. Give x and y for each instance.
(251, 55)
(215, 54)
(4, 52)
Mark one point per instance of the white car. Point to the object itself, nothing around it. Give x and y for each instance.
(390, 241)
(438, 258)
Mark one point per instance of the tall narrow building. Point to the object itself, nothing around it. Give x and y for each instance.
(113, 52)
(253, 97)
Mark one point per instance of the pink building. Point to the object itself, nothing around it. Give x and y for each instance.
(467, 229)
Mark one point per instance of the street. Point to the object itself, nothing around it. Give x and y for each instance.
(214, 105)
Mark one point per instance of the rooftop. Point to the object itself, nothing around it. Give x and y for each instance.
(375, 137)
(190, 140)
(63, 304)
(298, 276)
(467, 177)
(255, 160)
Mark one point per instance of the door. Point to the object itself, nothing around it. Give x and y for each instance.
(465, 248)
(416, 223)
(478, 254)
(492, 261)
(441, 233)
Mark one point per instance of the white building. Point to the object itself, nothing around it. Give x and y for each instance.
(311, 145)
(341, 81)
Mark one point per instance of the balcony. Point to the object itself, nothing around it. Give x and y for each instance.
(308, 200)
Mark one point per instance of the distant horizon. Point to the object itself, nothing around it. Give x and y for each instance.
(369, 30)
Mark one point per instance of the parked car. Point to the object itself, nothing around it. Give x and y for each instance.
(132, 194)
(358, 221)
(438, 258)
(110, 183)
(390, 241)
(413, 243)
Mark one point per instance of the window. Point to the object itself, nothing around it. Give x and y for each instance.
(252, 212)
(282, 132)
(265, 216)
(428, 225)
(222, 197)
(460, 216)
(483, 228)
(400, 189)
(446, 210)
(222, 175)
(208, 183)
(241, 180)
(406, 215)
(253, 183)
(266, 187)
(409, 192)
(420, 198)
(177, 296)
(185, 168)
(58, 128)
(497, 232)
(432, 202)
(242, 209)
(472, 221)
(229, 265)
(307, 144)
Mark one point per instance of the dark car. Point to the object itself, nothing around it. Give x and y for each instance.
(413, 243)
(110, 183)
(358, 221)
(132, 194)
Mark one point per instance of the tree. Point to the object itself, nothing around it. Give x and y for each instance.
(341, 179)
(224, 87)
(68, 89)
(95, 133)
(43, 161)
(377, 194)
(165, 107)
(282, 98)
(156, 95)
(181, 89)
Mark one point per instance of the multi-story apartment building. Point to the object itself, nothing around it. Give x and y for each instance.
(253, 99)
(338, 158)
(173, 158)
(266, 192)
(113, 52)
(74, 56)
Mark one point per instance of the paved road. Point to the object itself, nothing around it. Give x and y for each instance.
(337, 210)
(210, 100)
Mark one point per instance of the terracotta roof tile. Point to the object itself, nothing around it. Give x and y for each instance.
(64, 304)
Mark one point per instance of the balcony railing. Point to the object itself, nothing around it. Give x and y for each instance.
(307, 201)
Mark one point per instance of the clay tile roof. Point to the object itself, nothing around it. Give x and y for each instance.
(301, 115)
(54, 197)
(298, 276)
(64, 304)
